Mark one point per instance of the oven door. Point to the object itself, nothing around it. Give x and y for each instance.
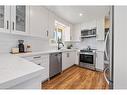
(86, 58)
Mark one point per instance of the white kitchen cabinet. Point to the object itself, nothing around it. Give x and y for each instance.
(51, 25)
(42, 60)
(14, 19)
(100, 34)
(76, 33)
(4, 19)
(45, 64)
(20, 20)
(68, 59)
(100, 60)
(88, 25)
(39, 21)
(66, 36)
(77, 57)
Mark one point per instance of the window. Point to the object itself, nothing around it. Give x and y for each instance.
(59, 31)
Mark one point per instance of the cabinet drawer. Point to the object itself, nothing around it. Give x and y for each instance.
(36, 57)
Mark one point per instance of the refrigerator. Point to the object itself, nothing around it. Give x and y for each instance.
(108, 52)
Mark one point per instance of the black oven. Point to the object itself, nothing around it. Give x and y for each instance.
(85, 58)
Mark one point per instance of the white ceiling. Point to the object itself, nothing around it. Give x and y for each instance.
(71, 13)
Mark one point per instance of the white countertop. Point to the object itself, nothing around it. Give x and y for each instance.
(43, 52)
(14, 70)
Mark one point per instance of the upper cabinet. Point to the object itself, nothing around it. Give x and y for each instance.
(88, 25)
(51, 22)
(98, 24)
(35, 21)
(14, 19)
(39, 22)
(100, 34)
(76, 33)
(20, 19)
(4, 19)
(67, 34)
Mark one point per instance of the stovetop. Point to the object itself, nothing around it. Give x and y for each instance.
(86, 50)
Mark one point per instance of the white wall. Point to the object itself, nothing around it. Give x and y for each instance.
(7, 41)
(88, 42)
(120, 47)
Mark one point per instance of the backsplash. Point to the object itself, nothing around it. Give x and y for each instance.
(87, 42)
(7, 41)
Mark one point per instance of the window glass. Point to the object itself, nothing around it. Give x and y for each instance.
(58, 32)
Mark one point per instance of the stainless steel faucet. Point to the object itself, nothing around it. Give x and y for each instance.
(59, 44)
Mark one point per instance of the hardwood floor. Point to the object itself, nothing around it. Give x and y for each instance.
(77, 78)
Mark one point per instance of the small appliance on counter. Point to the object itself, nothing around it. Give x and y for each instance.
(21, 46)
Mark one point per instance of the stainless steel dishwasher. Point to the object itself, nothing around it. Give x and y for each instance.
(55, 64)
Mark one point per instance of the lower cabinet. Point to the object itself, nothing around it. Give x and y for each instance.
(45, 64)
(68, 59)
(42, 60)
(77, 57)
(100, 60)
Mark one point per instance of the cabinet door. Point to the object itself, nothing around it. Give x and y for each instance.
(100, 60)
(45, 64)
(65, 60)
(20, 20)
(100, 29)
(4, 19)
(67, 34)
(51, 25)
(39, 21)
(42, 60)
(68, 59)
(77, 58)
(76, 33)
(72, 58)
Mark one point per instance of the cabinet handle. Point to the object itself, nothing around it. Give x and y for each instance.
(7, 24)
(37, 57)
(13, 25)
(47, 33)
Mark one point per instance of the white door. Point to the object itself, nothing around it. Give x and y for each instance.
(20, 20)
(4, 19)
(39, 21)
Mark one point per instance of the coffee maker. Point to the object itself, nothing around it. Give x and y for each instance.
(21, 46)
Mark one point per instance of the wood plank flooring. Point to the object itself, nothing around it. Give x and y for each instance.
(77, 78)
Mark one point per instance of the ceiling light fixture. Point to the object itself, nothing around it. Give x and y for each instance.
(80, 14)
